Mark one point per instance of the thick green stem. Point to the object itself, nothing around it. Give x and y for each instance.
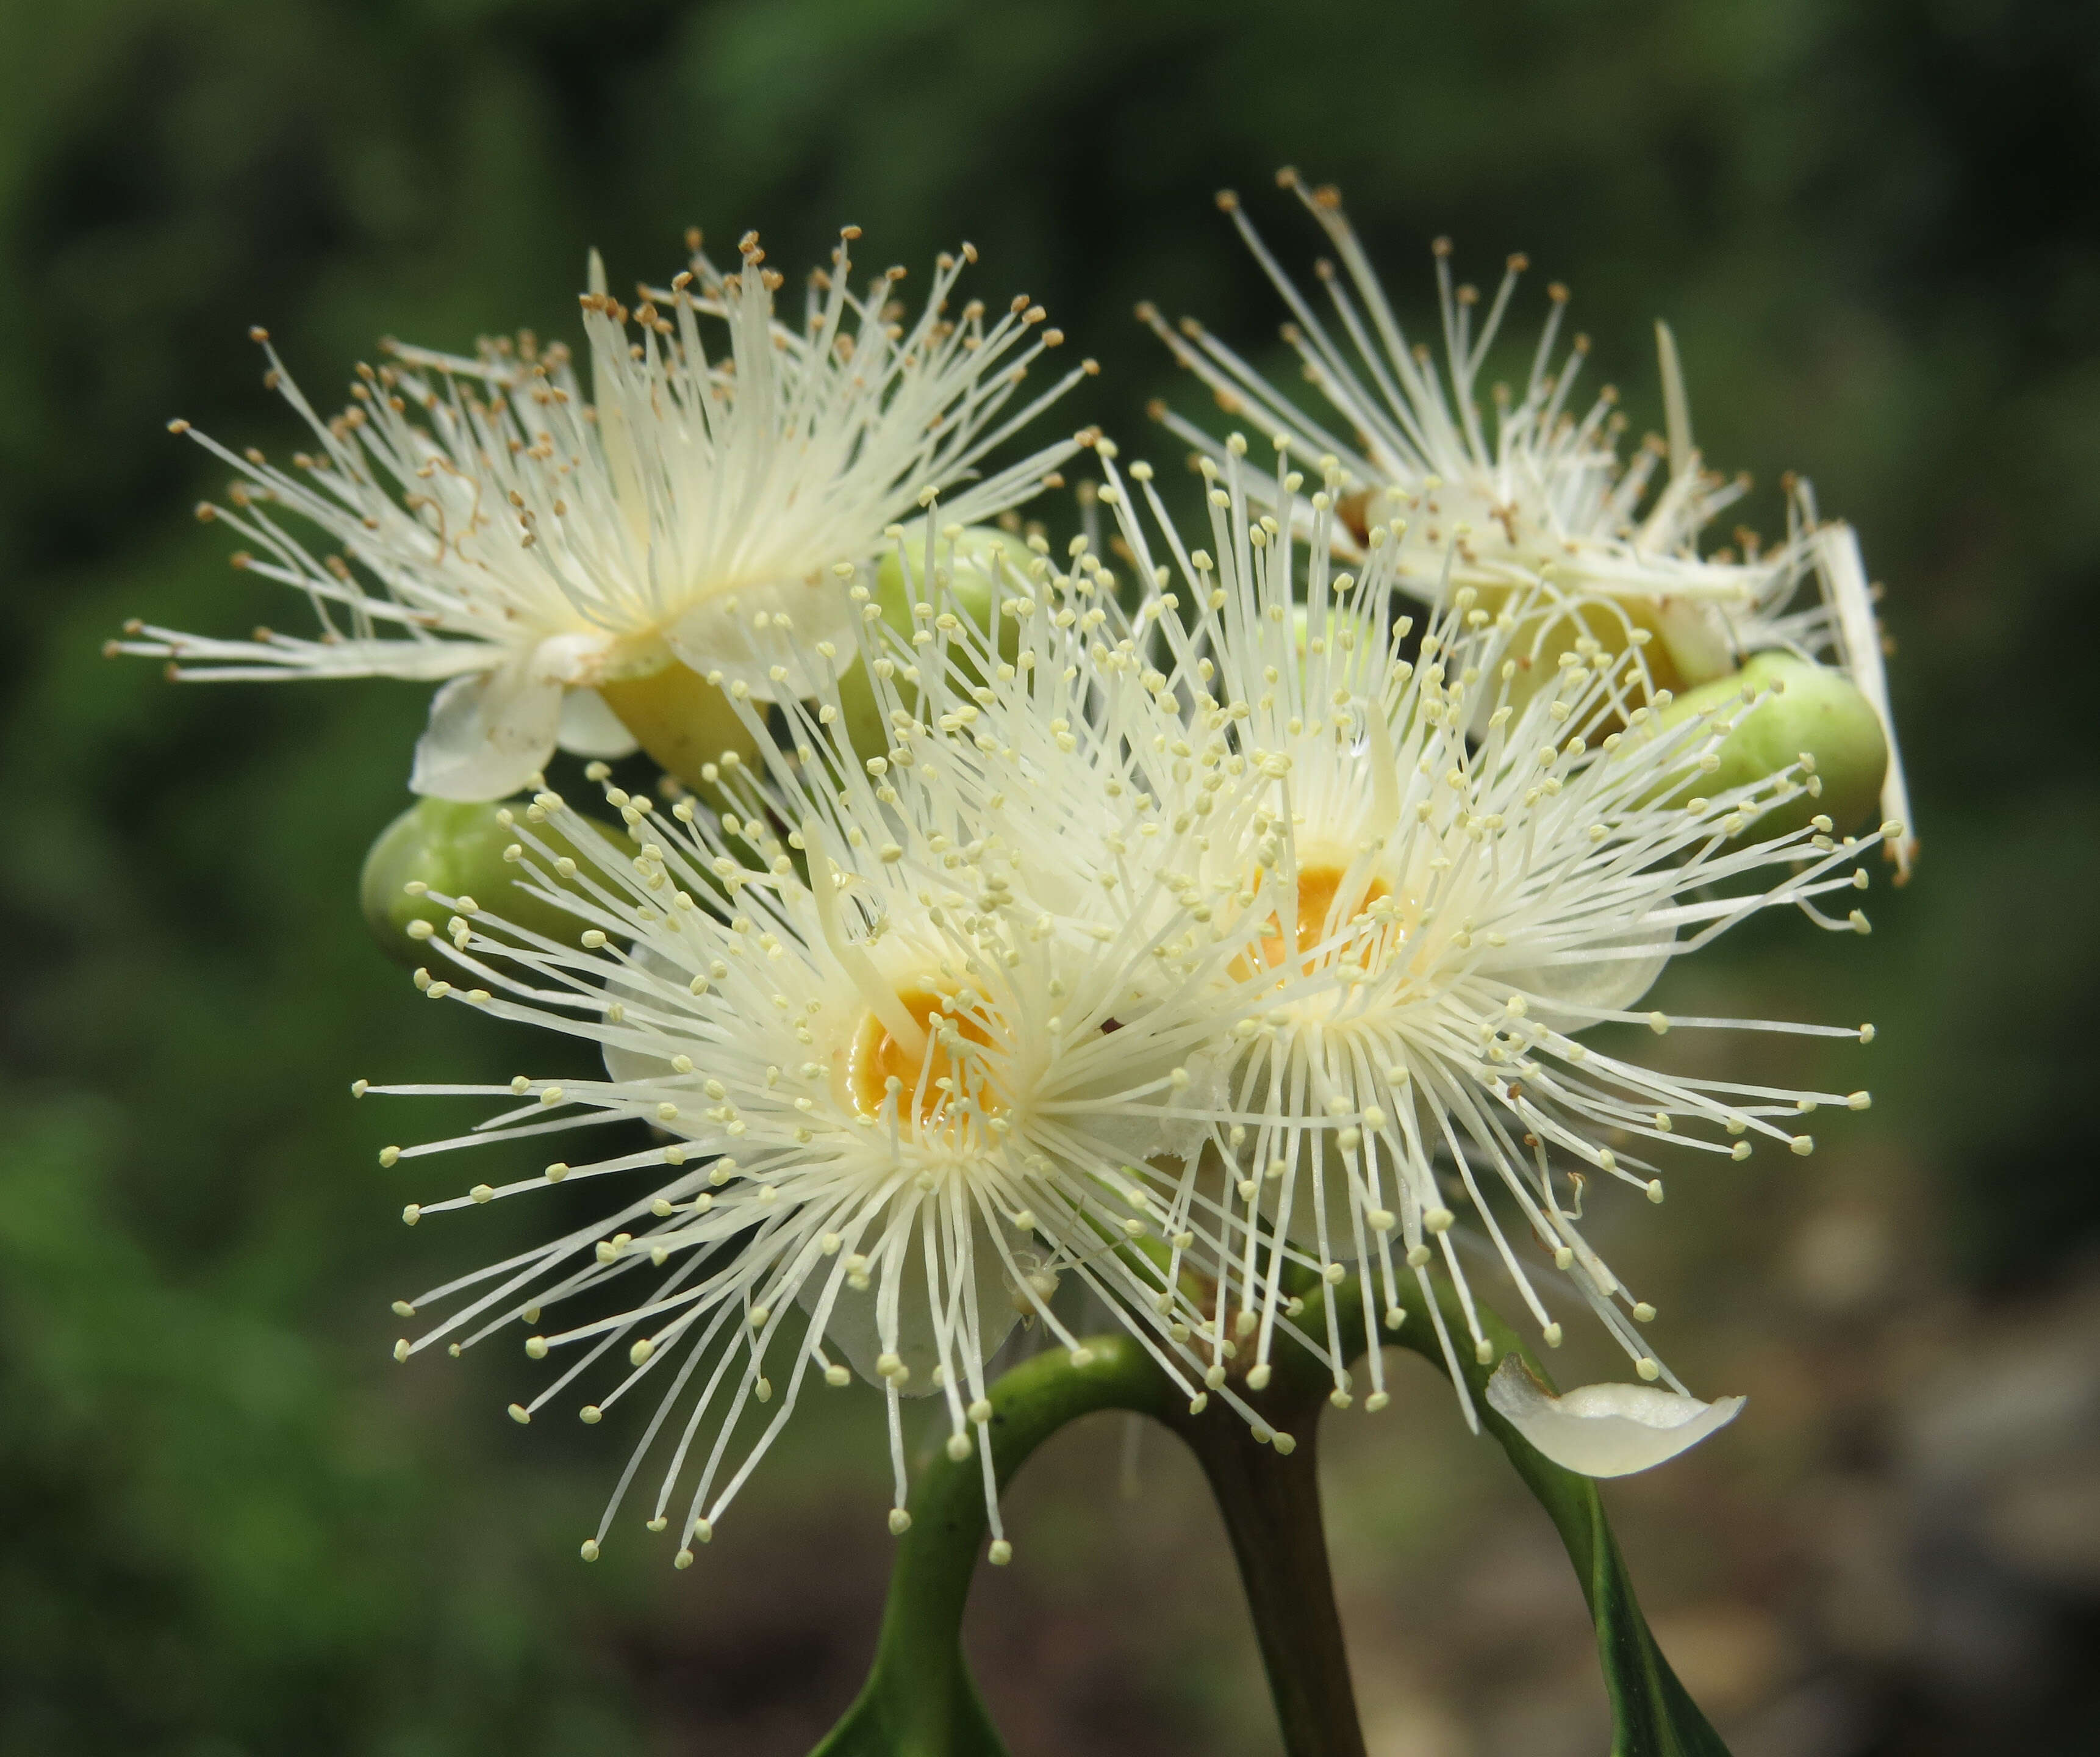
(918, 1700)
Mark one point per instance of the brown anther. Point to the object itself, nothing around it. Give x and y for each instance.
(1439, 246)
(1286, 177)
(257, 332)
(1557, 291)
(178, 425)
(1227, 200)
(1329, 196)
(1518, 262)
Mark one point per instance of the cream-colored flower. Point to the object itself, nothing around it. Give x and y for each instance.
(922, 1034)
(1532, 493)
(1456, 879)
(574, 568)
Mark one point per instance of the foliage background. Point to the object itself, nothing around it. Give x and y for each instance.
(229, 1524)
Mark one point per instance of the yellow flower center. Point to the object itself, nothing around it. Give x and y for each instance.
(926, 1083)
(1317, 886)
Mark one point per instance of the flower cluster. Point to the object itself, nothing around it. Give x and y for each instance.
(1176, 915)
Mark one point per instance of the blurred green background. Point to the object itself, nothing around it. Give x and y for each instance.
(229, 1524)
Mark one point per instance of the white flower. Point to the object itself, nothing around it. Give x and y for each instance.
(918, 1058)
(1605, 1430)
(1457, 879)
(538, 552)
(1540, 495)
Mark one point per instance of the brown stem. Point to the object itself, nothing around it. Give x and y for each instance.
(1271, 1506)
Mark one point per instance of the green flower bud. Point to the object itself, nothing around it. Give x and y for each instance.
(1821, 714)
(975, 589)
(456, 850)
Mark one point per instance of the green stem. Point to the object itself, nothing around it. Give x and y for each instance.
(919, 1701)
(1271, 1506)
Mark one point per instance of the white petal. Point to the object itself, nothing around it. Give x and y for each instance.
(852, 1328)
(655, 981)
(487, 736)
(589, 728)
(717, 634)
(1841, 575)
(1610, 1430)
(1697, 637)
(1607, 975)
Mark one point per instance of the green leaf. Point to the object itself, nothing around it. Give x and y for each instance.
(1652, 1712)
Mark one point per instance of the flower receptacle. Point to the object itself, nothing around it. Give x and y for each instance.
(683, 721)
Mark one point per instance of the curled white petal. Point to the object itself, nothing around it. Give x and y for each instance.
(487, 736)
(1609, 1430)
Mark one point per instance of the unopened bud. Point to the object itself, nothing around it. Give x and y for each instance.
(976, 585)
(1820, 722)
(456, 850)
